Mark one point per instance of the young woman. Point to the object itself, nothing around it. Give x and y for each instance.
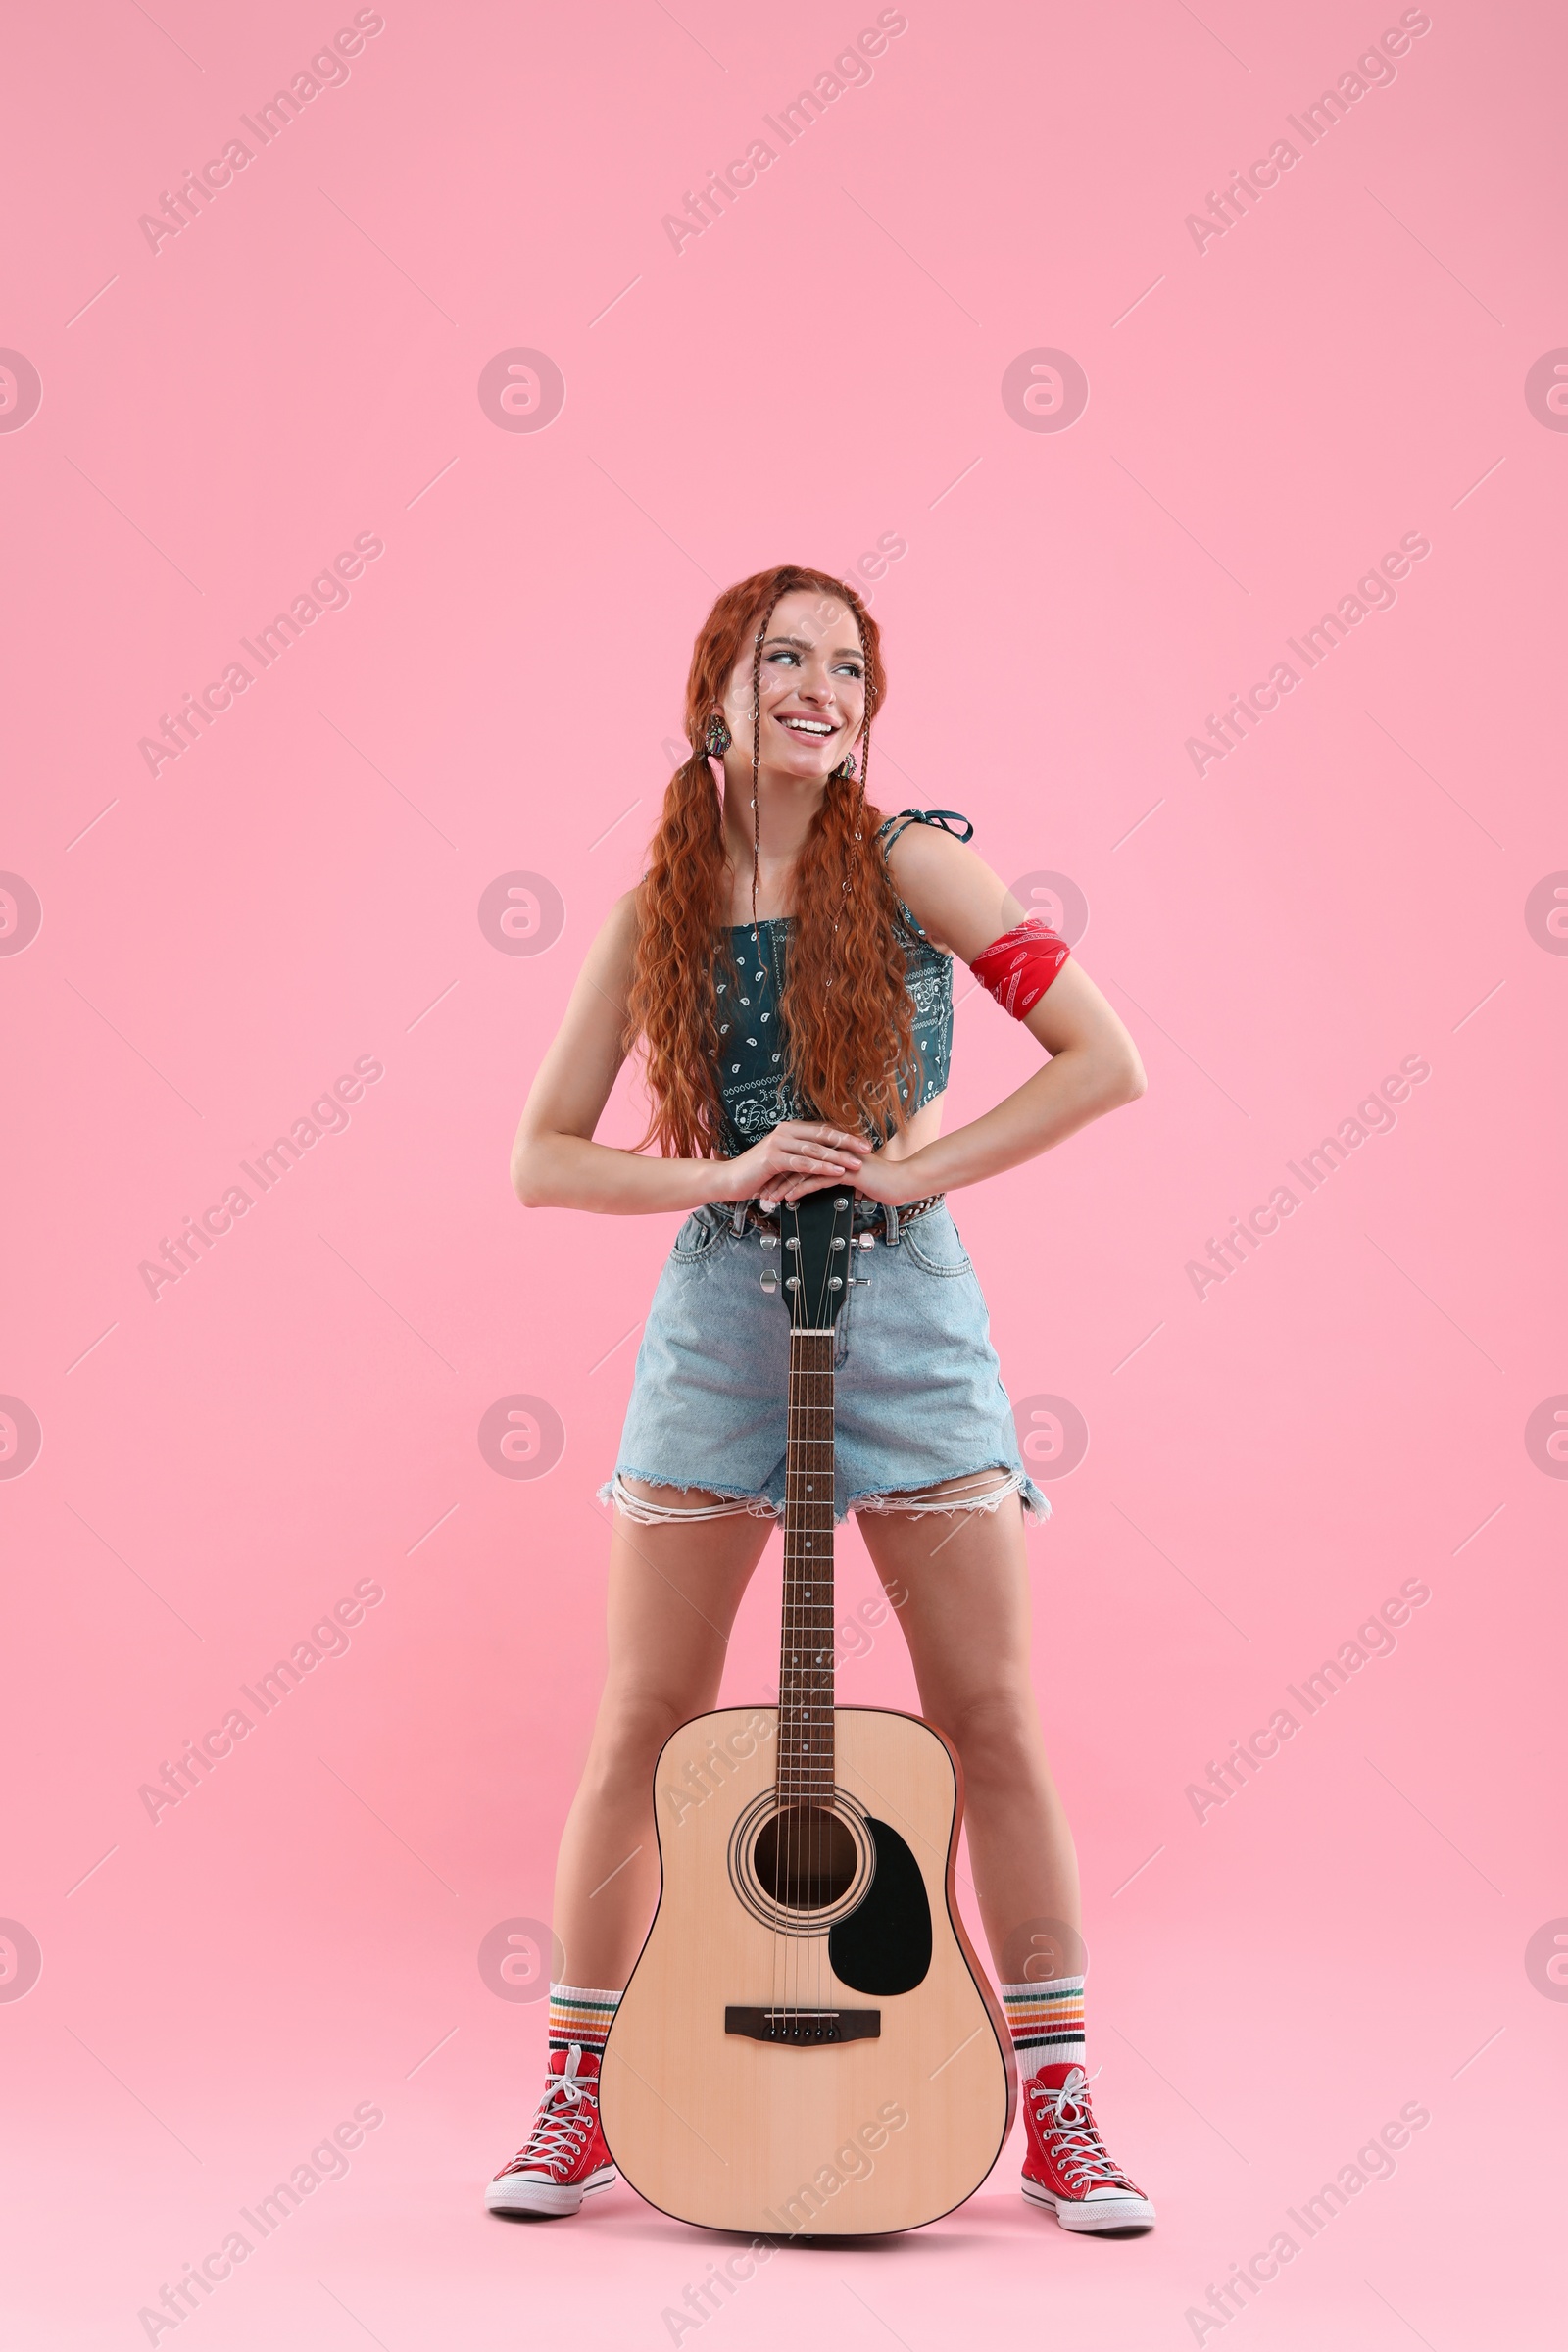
(786, 967)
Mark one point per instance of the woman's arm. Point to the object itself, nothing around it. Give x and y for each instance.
(1094, 1064)
(555, 1162)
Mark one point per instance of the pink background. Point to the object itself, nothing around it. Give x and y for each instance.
(820, 370)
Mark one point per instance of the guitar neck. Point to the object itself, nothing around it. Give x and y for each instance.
(805, 1763)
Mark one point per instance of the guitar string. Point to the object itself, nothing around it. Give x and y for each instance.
(802, 1816)
(781, 1852)
(787, 1696)
(790, 1697)
(825, 1678)
(808, 1825)
(816, 1819)
(805, 1829)
(786, 1688)
(804, 1834)
(782, 1833)
(820, 1817)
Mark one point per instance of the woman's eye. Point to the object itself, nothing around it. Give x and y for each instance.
(784, 657)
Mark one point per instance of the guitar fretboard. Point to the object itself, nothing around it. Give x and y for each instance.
(805, 1653)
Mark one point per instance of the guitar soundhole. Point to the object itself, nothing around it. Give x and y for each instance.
(805, 1858)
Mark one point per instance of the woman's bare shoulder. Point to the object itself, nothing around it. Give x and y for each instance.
(954, 895)
(624, 915)
(614, 946)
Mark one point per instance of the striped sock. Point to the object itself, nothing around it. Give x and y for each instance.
(582, 2014)
(1047, 2023)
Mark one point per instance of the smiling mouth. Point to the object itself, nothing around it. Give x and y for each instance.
(816, 730)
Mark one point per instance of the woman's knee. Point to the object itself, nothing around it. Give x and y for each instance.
(632, 1727)
(997, 1734)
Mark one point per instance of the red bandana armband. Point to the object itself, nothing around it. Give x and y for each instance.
(1018, 967)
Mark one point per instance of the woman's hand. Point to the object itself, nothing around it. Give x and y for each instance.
(893, 1181)
(799, 1157)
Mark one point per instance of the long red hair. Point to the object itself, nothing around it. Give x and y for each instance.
(845, 1010)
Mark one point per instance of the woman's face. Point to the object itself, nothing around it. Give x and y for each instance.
(811, 687)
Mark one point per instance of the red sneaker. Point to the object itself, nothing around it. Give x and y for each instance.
(564, 2158)
(1068, 2167)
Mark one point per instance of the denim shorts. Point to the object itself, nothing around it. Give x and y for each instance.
(919, 1388)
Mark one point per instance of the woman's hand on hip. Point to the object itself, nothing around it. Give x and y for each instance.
(893, 1182)
(800, 1156)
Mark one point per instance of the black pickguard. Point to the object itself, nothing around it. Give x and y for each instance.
(885, 1945)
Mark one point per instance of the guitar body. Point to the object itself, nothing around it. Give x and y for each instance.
(846, 2071)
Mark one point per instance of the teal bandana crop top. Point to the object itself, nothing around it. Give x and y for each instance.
(753, 1078)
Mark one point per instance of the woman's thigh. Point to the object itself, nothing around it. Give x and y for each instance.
(959, 1581)
(674, 1589)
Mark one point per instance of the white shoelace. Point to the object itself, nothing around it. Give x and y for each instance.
(1075, 2142)
(562, 2123)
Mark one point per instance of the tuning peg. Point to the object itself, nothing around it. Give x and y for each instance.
(770, 1282)
(867, 1241)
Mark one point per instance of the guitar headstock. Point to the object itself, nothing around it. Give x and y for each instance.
(818, 1250)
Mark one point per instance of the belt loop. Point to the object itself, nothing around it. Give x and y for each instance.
(737, 1217)
(890, 1220)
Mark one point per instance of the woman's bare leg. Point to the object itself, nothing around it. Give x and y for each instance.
(961, 1585)
(674, 1593)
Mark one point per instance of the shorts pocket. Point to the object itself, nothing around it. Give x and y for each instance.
(936, 1250)
(698, 1239)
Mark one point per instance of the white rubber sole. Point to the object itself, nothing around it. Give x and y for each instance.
(1094, 2214)
(547, 2198)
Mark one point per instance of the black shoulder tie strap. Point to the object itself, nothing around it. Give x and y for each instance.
(946, 820)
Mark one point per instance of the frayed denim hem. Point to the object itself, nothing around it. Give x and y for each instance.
(900, 1501)
(910, 1504)
(645, 1513)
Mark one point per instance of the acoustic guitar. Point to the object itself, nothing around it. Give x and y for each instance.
(808, 2044)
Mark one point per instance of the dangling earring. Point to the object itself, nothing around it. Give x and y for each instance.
(717, 740)
(844, 773)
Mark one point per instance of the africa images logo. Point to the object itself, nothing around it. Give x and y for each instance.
(521, 390)
(850, 69)
(521, 1436)
(1374, 69)
(328, 1116)
(327, 70)
(21, 391)
(327, 592)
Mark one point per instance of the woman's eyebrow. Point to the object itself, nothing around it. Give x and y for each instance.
(804, 645)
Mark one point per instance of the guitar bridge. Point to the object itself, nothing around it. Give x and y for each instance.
(805, 2029)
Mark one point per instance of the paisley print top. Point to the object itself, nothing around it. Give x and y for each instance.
(753, 1058)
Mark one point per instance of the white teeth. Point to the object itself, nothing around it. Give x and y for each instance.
(809, 726)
